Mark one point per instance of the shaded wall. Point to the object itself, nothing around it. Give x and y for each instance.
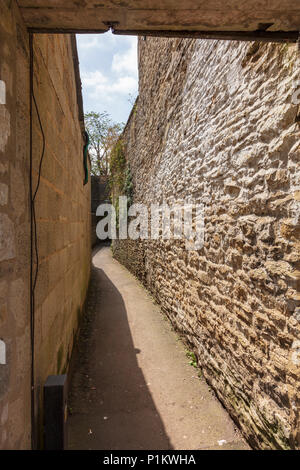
(100, 195)
(215, 124)
(62, 214)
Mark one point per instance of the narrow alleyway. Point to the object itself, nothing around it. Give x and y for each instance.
(132, 385)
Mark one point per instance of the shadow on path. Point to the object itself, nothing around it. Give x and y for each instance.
(110, 404)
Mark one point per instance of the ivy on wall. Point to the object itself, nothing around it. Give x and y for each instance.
(128, 185)
(117, 169)
(120, 176)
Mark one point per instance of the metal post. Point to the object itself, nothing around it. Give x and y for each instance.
(55, 412)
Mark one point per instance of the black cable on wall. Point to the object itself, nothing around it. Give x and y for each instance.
(31, 244)
(33, 233)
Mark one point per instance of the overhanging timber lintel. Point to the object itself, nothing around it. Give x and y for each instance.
(263, 36)
(242, 20)
(66, 31)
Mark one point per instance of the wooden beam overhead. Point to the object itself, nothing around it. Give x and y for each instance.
(277, 20)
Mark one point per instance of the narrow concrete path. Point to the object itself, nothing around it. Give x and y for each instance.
(132, 385)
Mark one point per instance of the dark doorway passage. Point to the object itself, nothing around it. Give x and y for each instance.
(132, 386)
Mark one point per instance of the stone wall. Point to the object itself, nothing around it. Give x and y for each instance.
(215, 124)
(99, 195)
(62, 214)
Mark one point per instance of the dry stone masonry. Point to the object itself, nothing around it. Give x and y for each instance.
(215, 123)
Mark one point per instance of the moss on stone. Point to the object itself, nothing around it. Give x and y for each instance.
(59, 357)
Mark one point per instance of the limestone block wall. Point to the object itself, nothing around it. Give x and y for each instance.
(215, 124)
(99, 195)
(62, 214)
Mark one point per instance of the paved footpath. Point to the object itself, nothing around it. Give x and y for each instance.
(132, 385)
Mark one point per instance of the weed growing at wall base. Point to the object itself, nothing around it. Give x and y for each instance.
(159, 221)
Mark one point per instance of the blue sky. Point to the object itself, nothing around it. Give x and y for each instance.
(108, 68)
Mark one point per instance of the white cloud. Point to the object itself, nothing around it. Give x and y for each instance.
(87, 42)
(109, 72)
(120, 79)
(104, 41)
(99, 85)
(93, 79)
(126, 62)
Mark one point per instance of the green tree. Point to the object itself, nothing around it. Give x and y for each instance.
(103, 134)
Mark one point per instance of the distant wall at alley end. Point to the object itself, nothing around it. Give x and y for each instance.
(100, 194)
